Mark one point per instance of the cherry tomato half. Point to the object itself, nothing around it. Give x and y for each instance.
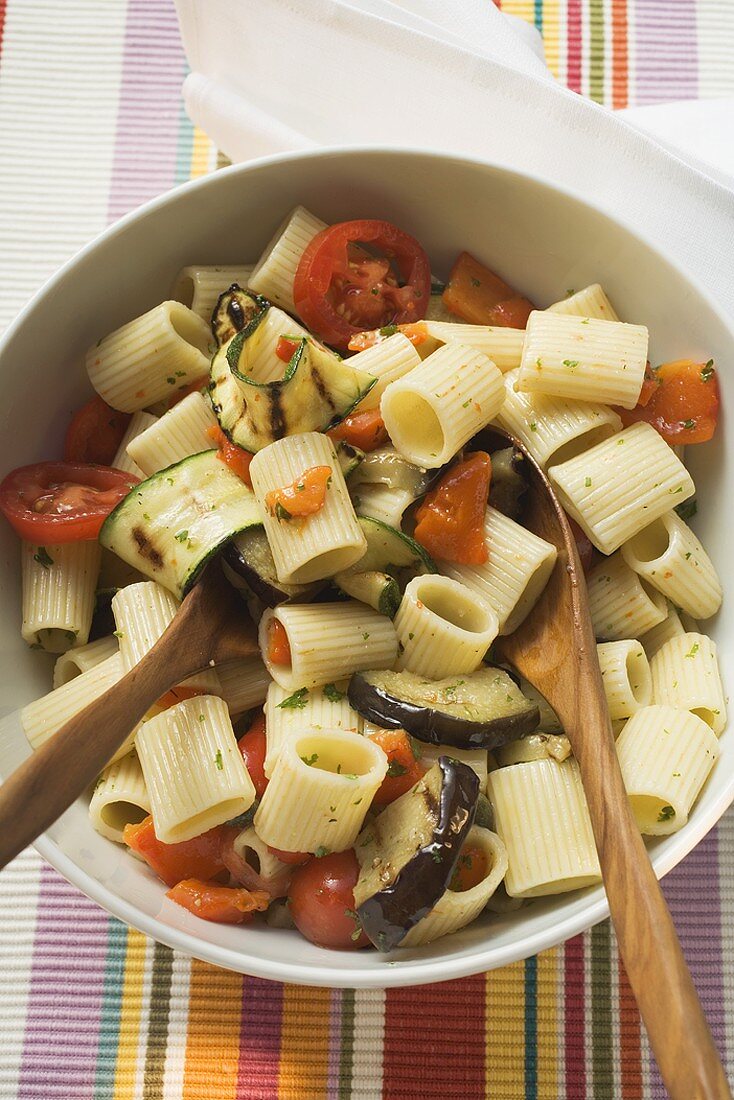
(53, 502)
(95, 433)
(321, 900)
(253, 746)
(341, 289)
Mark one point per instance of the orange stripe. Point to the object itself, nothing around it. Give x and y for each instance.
(304, 1042)
(630, 1054)
(213, 1040)
(620, 73)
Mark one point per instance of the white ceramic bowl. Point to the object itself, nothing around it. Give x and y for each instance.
(542, 240)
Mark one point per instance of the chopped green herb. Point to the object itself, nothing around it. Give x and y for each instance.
(282, 513)
(533, 426)
(476, 282)
(350, 775)
(366, 635)
(43, 558)
(296, 701)
(332, 693)
(388, 330)
(707, 371)
(202, 718)
(394, 769)
(666, 813)
(571, 363)
(693, 650)
(146, 517)
(587, 482)
(411, 636)
(171, 381)
(321, 851)
(169, 480)
(180, 374)
(688, 555)
(218, 760)
(688, 424)
(181, 536)
(119, 633)
(309, 761)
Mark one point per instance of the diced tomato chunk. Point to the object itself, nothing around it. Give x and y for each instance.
(476, 294)
(450, 521)
(221, 904)
(304, 497)
(199, 857)
(404, 768)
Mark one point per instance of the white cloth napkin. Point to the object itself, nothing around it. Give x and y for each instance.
(459, 76)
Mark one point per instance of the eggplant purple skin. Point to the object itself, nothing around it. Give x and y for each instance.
(435, 727)
(388, 916)
(269, 593)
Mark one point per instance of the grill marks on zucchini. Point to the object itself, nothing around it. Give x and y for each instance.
(146, 548)
(234, 311)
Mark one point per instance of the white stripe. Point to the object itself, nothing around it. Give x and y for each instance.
(19, 898)
(178, 1022)
(715, 32)
(61, 72)
(368, 1049)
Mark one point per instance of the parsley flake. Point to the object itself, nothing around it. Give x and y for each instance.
(181, 536)
(309, 761)
(395, 769)
(218, 760)
(666, 814)
(43, 557)
(296, 701)
(332, 693)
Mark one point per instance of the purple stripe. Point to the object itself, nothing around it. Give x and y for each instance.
(149, 116)
(260, 1027)
(692, 892)
(65, 1000)
(666, 59)
(333, 1063)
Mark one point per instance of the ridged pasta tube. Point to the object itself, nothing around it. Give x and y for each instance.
(381, 502)
(622, 604)
(80, 659)
(387, 361)
(316, 546)
(455, 909)
(625, 673)
(120, 798)
(200, 286)
(150, 358)
(193, 770)
(443, 627)
(182, 431)
(328, 642)
(542, 816)
(317, 708)
(584, 359)
(502, 345)
(657, 636)
(666, 756)
(321, 788)
(248, 843)
(589, 302)
(516, 572)
(476, 759)
(669, 556)
(552, 428)
(685, 674)
(58, 590)
(243, 683)
(433, 411)
(621, 485)
(275, 271)
(142, 613)
(139, 422)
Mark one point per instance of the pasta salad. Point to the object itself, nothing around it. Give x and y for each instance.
(321, 423)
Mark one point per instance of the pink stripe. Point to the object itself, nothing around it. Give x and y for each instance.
(574, 42)
(262, 1011)
(335, 1038)
(150, 106)
(65, 1001)
(667, 50)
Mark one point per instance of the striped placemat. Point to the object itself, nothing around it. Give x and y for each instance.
(91, 124)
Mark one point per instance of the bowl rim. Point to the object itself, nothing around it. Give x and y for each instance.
(387, 974)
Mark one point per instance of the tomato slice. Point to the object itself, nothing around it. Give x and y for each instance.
(304, 497)
(684, 407)
(54, 502)
(365, 430)
(95, 433)
(253, 746)
(483, 298)
(199, 857)
(221, 904)
(450, 521)
(231, 455)
(404, 769)
(340, 289)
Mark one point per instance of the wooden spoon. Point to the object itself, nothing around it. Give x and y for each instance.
(212, 624)
(555, 649)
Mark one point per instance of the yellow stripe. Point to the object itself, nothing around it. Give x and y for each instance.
(201, 155)
(547, 1046)
(304, 1043)
(551, 35)
(505, 1031)
(213, 1039)
(524, 8)
(130, 1014)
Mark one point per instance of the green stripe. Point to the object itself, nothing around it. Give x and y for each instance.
(602, 1040)
(347, 1045)
(531, 1028)
(160, 1002)
(596, 60)
(109, 1027)
(539, 15)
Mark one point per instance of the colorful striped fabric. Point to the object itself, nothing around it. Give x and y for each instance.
(91, 124)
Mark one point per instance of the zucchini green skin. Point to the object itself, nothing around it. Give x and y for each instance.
(378, 590)
(170, 525)
(390, 550)
(234, 311)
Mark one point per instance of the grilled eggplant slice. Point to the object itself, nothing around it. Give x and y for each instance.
(509, 481)
(234, 311)
(408, 854)
(478, 711)
(386, 467)
(536, 746)
(250, 557)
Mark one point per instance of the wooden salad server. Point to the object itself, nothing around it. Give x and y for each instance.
(555, 649)
(211, 625)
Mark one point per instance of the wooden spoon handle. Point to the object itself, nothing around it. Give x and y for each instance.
(658, 973)
(46, 784)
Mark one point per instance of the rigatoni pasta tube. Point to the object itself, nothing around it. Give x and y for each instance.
(502, 345)
(515, 573)
(318, 708)
(275, 271)
(381, 502)
(685, 674)
(83, 657)
(200, 286)
(582, 358)
(193, 769)
(443, 627)
(656, 637)
(433, 411)
(387, 361)
(589, 302)
(476, 759)
(457, 908)
(311, 547)
(150, 358)
(120, 798)
(554, 429)
(327, 642)
(625, 673)
(58, 590)
(622, 604)
(243, 683)
(665, 755)
(139, 422)
(668, 555)
(542, 816)
(621, 485)
(182, 431)
(319, 792)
